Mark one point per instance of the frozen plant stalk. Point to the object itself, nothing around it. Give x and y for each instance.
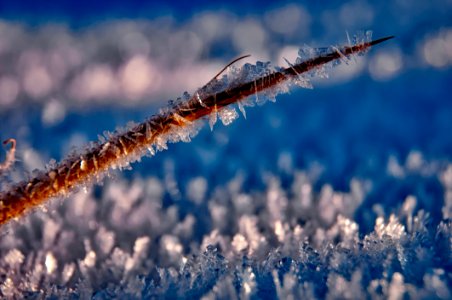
(175, 123)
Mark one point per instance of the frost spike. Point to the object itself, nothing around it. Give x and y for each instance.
(241, 108)
(10, 155)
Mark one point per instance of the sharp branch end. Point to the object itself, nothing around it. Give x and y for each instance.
(378, 41)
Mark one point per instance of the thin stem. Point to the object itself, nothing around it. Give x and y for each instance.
(128, 146)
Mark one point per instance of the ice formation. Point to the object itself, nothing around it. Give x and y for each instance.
(276, 243)
(10, 156)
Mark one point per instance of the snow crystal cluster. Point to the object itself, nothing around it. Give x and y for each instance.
(139, 239)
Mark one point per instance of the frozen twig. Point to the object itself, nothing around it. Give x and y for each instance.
(172, 124)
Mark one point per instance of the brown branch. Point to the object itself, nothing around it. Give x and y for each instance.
(123, 148)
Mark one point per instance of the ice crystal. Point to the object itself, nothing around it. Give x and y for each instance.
(227, 115)
(271, 244)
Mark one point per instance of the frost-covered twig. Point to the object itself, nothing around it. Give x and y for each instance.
(175, 123)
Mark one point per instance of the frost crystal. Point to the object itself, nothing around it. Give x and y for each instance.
(227, 115)
(392, 229)
(362, 37)
(51, 263)
(276, 243)
(213, 119)
(14, 258)
(244, 103)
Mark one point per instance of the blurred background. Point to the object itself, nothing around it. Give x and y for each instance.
(70, 70)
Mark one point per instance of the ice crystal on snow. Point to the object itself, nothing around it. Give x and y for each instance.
(277, 243)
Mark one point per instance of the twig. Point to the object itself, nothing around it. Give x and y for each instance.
(122, 148)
